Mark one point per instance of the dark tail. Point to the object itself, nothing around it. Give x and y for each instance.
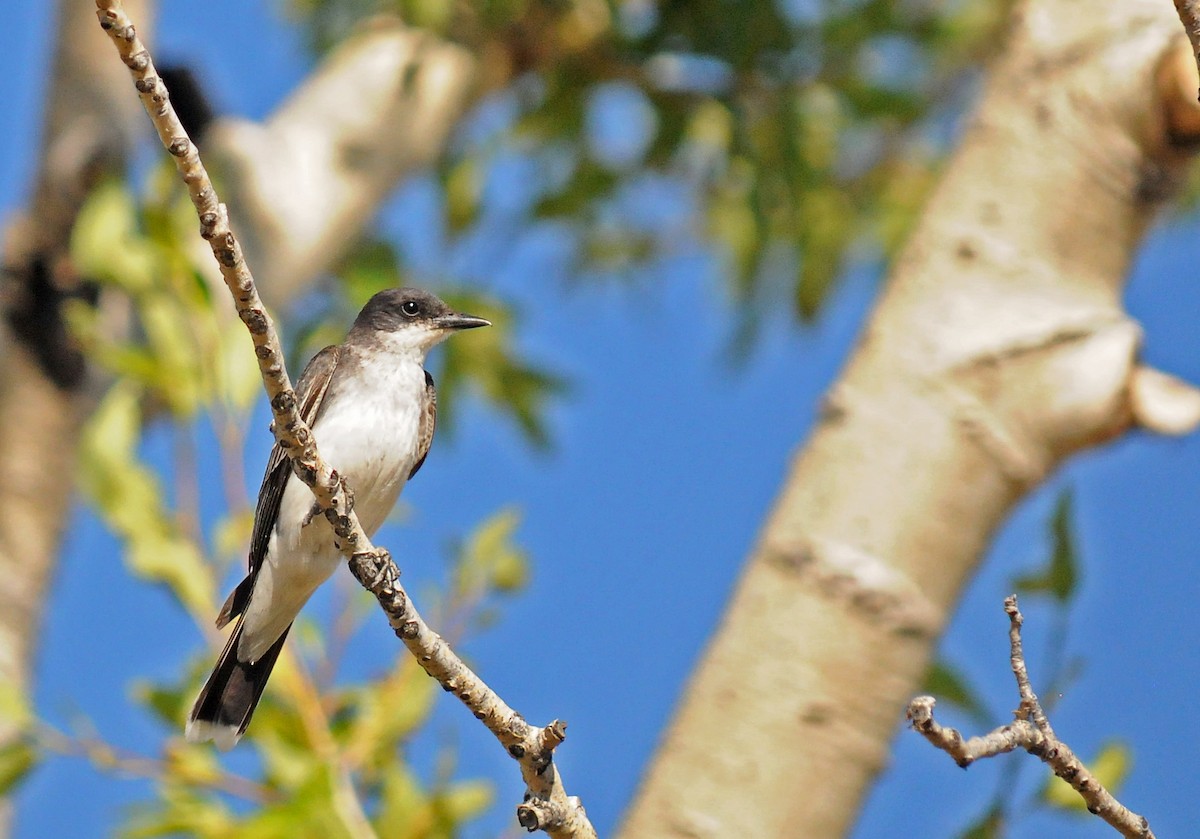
(229, 697)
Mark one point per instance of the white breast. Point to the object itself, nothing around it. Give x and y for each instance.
(369, 433)
(372, 438)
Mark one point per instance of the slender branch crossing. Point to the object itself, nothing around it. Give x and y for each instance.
(547, 806)
(1030, 731)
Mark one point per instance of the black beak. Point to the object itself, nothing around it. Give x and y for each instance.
(457, 321)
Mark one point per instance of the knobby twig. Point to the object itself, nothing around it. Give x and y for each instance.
(546, 806)
(1030, 731)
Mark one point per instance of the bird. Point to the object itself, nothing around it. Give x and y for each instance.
(372, 408)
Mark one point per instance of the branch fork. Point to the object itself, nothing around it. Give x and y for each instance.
(1032, 732)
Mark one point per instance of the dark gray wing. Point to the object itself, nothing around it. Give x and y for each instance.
(310, 397)
(426, 425)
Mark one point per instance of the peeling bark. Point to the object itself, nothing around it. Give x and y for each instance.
(998, 349)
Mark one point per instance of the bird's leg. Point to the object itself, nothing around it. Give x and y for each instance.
(311, 514)
(338, 518)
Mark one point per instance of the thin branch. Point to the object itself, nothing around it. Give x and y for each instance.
(105, 756)
(547, 806)
(1030, 731)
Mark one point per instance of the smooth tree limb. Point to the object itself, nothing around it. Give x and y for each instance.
(547, 806)
(1031, 731)
(353, 142)
(998, 347)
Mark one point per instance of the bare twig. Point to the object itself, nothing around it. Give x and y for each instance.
(107, 757)
(546, 806)
(1030, 731)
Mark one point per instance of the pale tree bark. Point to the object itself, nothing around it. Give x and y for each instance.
(302, 186)
(998, 349)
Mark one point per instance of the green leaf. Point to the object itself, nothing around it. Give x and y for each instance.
(128, 497)
(238, 379)
(17, 760)
(370, 267)
(175, 562)
(464, 800)
(1110, 767)
(948, 685)
(491, 558)
(1060, 576)
(309, 810)
(405, 810)
(990, 825)
(588, 184)
(488, 361)
(510, 572)
(106, 243)
(387, 712)
(735, 225)
(187, 763)
(463, 184)
(282, 743)
(180, 811)
(168, 704)
(14, 705)
(231, 533)
(179, 380)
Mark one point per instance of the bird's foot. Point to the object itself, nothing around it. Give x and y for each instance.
(374, 569)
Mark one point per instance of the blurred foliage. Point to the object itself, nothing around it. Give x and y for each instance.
(17, 759)
(179, 357)
(491, 558)
(182, 354)
(126, 493)
(989, 825)
(331, 763)
(1059, 578)
(329, 757)
(945, 682)
(18, 755)
(798, 135)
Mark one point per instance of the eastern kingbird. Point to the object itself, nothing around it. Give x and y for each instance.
(371, 406)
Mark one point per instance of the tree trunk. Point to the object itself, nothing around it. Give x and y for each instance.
(998, 349)
(90, 123)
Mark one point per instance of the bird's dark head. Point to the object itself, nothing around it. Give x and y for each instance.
(410, 317)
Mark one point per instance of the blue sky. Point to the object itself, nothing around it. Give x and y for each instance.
(666, 460)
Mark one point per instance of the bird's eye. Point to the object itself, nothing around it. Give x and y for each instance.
(411, 308)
